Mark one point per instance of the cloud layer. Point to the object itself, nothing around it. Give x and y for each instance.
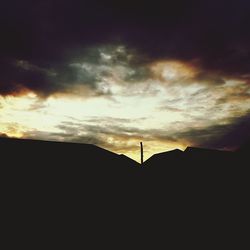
(40, 39)
(170, 73)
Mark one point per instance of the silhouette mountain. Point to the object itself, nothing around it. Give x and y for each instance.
(87, 159)
(191, 157)
(56, 163)
(48, 185)
(202, 156)
(55, 153)
(169, 158)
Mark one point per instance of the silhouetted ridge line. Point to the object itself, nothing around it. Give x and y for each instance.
(62, 154)
(92, 174)
(171, 153)
(91, 158)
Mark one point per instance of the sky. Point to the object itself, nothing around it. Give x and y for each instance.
(171, 74)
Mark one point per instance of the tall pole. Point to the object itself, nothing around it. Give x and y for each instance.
(141, 153)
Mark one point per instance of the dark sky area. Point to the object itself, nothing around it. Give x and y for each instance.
(215, 33)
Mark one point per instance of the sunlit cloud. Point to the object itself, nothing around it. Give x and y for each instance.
(109, 97)
(171, 72)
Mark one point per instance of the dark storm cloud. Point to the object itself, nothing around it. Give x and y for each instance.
(230, 135)
(46, 34)
(209, 77)
(94, 66)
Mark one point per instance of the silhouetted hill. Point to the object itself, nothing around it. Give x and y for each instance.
(196, 169)
(35, 153)
(47, 185)
(206, 157)
(193, 156)
(56, 163)
(169, 158)
(204, 151)
(89, 161)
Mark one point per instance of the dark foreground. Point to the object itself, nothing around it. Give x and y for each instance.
(189, 198)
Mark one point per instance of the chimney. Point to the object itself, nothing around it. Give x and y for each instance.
(141, 153)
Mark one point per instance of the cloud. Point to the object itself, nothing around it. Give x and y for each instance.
(170, 72)
(235, 93)
(111, 133)
(122, 136)
(38, 104)
(90, 73)
(62, 136)
(37, 49)
(229, 134)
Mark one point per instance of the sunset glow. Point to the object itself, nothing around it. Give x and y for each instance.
(170, 79)
(117, 114)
